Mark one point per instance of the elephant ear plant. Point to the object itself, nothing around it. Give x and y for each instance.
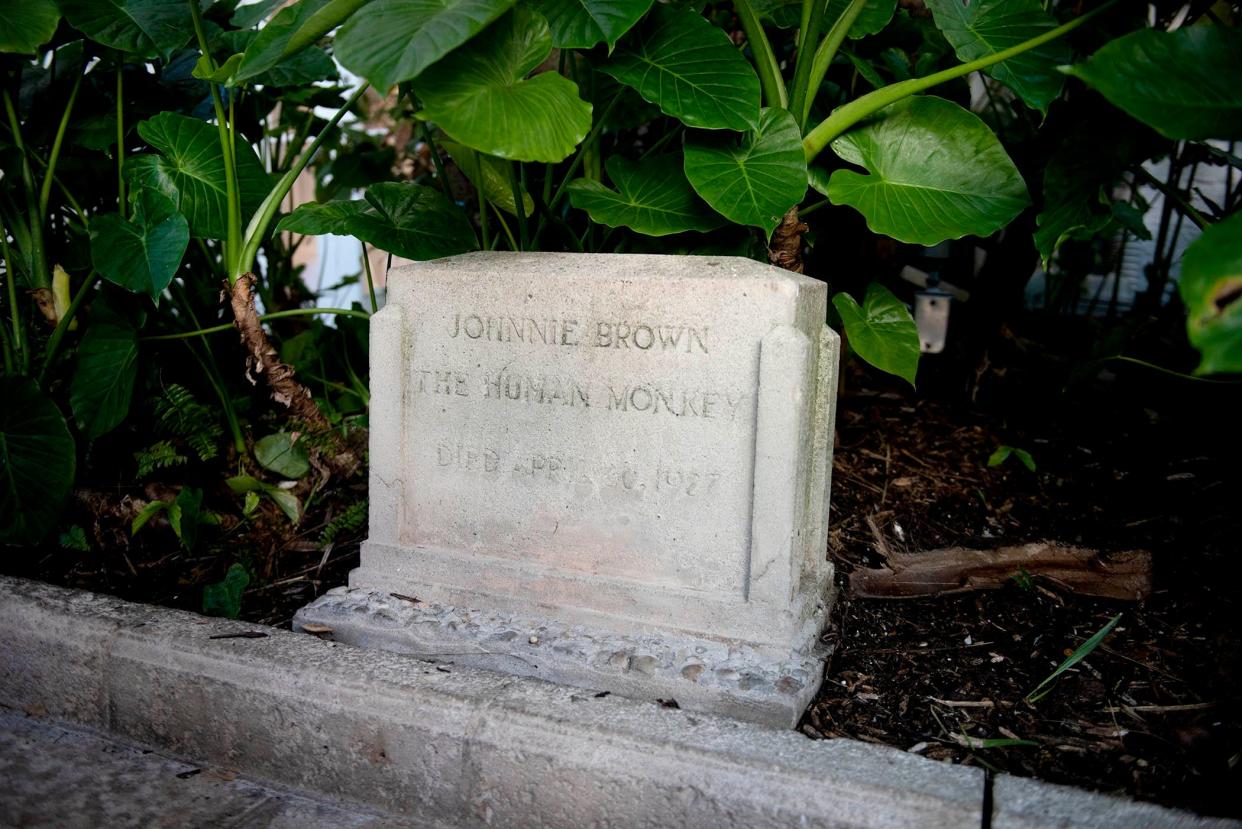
(143, 166)
(614, 121)
(149, 145)
(650, 120)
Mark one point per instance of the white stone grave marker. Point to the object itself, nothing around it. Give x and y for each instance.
(610, 471)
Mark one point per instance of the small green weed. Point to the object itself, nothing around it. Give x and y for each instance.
(1084, 650)
(1003, 453)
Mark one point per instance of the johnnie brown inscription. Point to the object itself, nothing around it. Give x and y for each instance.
(618, 334)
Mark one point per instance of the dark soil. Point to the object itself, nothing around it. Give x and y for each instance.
(1127, 459)
(1154, 711)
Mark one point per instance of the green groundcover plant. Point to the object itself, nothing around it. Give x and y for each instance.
(149, 146)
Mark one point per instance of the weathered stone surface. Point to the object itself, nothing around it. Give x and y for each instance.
(60, 776)
(466, 747)
(733, 679)
(637, 445)
(456, 746)
(1021, 803)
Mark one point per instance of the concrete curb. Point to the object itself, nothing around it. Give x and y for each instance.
(466, 747)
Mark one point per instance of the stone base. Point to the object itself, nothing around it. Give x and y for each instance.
(699, 674)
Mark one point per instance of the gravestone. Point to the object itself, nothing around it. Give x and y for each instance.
(610, 471)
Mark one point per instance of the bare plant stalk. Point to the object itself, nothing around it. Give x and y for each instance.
(287, 390)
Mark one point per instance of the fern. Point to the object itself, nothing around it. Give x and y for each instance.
(160, 455)
(348, 522)
(179, 414)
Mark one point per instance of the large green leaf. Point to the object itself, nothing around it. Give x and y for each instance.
(293, 29)
(146, 28)
(25, 25)
(874, 16)
(37, 459)
(317, 219)
(478, 95)
(756, 181)
(395, 40)
(1079, 177)
(414, 222)
(221, 73)
(141, 254)
(283, 454)
(986, 27)
(1211, 289)
(224, 598)
(103, 381)
(253, 14)
(191, 171)
(936, 172)
(1186, 84)
(689, 69)
(283, 498)
(407, 220)
(307, 66)
(580, 24)
(489, 175)
(881, 330)
(652, 197)
(783, 14)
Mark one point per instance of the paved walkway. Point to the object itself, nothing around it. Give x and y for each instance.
(57, 775)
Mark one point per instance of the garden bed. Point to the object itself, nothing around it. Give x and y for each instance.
(1152, 713)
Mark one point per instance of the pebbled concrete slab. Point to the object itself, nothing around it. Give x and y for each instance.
(58, 775)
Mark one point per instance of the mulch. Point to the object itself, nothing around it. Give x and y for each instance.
(1152, 713)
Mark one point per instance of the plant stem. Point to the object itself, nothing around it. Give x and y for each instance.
(1171, 373)
(577, 162)
(660, 142)
(513, 245)
(58, 334)
(1174, 196)
(73, 203)
(120, 135)
(299, 138)
(233, 244)
(850, 114)
(366, 264)
(217, 385)
(275, 315)
(267, 211)
(46, 191)
(430, 141)
(808, 36)
(518, 202)
(824, 54)
(770, 81)
(9, 366)
(39, 277)
(212, 373)
(483, 214)
(10, 282)
(803, 212)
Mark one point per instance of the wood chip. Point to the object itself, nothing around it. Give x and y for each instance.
(1161, 709)
(961, 703)
(1123, 576)
(316, 629)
